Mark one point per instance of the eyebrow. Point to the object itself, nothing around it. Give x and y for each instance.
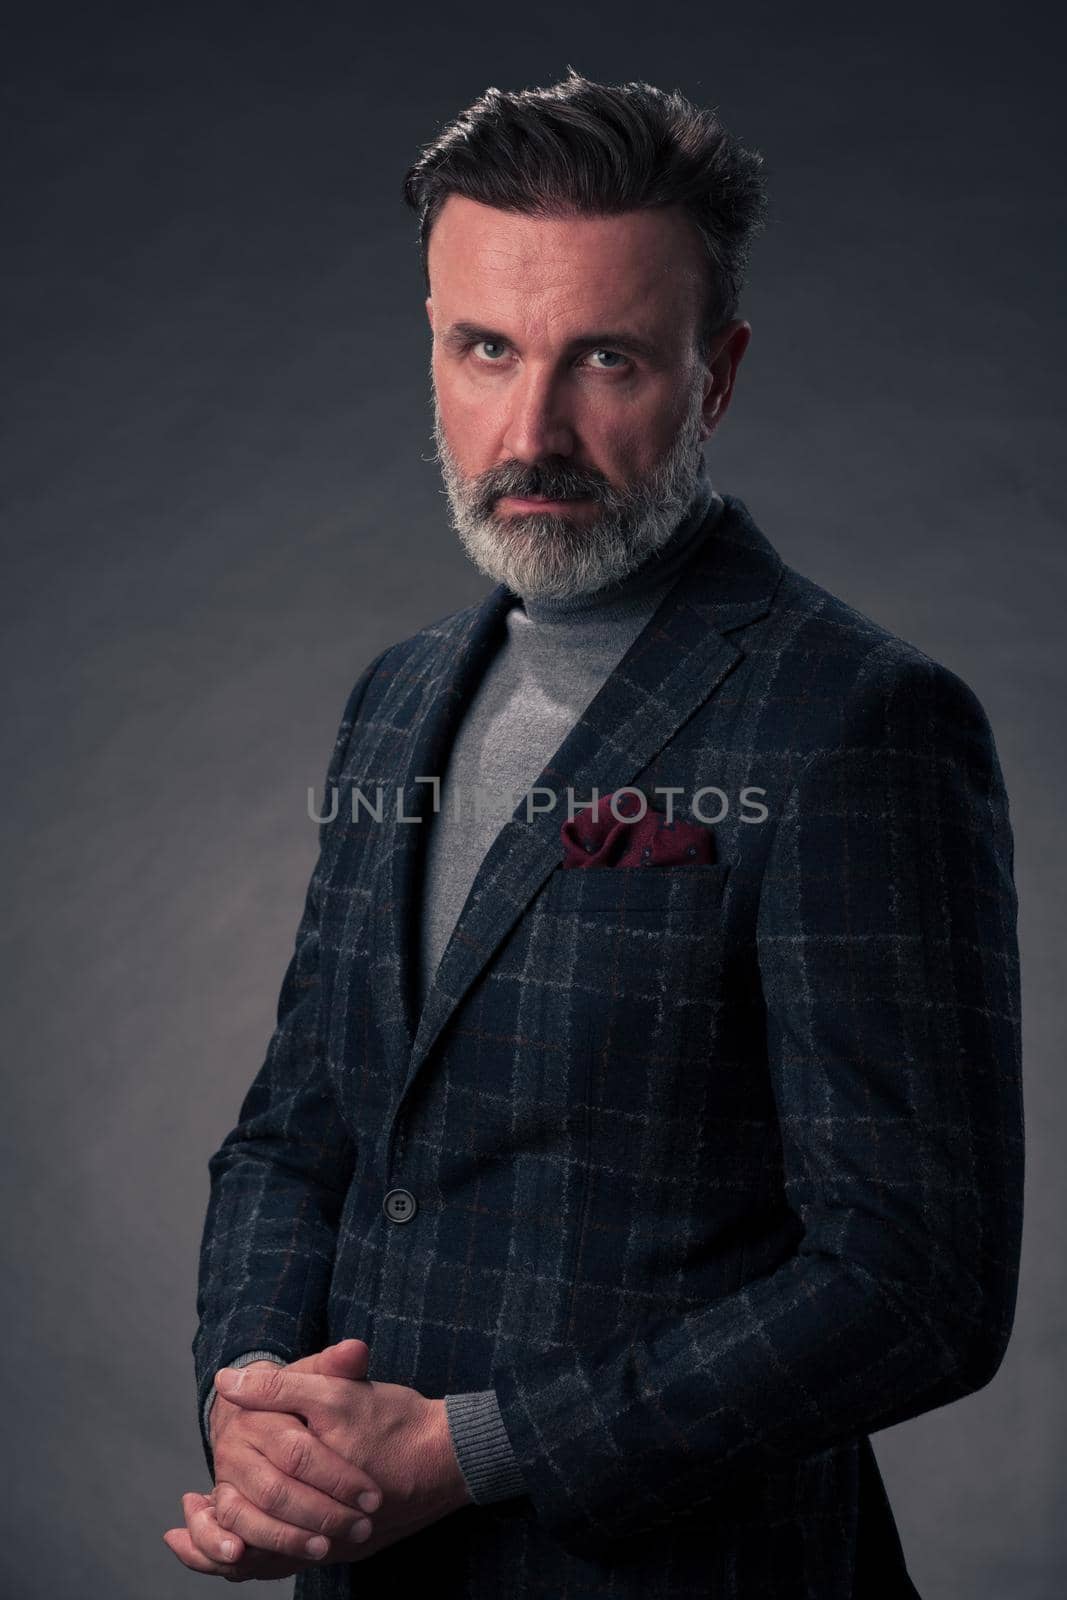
(461, 333)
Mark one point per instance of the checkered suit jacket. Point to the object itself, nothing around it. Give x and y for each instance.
(717, 1169)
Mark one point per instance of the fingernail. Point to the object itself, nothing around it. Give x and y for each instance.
(359, 1530)
(231, 1377)
(228, 1548)
(369, 1500)
(316, 1547)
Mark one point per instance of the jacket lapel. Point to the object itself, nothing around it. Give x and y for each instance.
(462, 659)
(678, 660)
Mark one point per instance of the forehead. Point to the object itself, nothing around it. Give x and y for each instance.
(643, 265)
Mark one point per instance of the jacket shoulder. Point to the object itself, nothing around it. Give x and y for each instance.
(811, 639)
(863, 655)
(433, 637)
(870, 685)
(410, 655)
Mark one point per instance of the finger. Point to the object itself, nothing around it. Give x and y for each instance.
(215, 1544)
(273, 1534)
(267, 1387)
(254, 1565)
(349, 1359)
(179, 1541)
(288, 1500)
(297, 1454)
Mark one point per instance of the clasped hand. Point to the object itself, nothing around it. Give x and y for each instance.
(292, 1448)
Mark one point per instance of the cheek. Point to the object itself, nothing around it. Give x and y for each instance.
(629, 432)
(623, 453)
(472, 420)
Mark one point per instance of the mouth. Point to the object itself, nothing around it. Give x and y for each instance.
(517, 503)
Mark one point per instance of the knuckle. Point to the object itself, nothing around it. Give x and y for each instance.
(327, 1520)
(335, 1524)
(272, 1493)
(296, 1453)
(277, 1539)
(226, 1505)
(226, 1515)
(269, 1379)
(339, 1486)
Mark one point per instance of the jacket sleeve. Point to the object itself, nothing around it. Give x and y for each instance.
(279, 1178)
(886, 941)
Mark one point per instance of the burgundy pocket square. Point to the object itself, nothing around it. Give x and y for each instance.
(595, 837)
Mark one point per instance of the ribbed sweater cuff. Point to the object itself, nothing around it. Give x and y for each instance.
(238, 1361)
(482, 1447)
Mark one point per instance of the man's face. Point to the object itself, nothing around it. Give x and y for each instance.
(569, 401)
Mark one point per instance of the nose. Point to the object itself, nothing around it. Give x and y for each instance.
(537, 424)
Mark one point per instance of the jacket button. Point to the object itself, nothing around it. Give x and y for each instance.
(400, 1205)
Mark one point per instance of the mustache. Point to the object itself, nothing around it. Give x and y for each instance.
(547, 480)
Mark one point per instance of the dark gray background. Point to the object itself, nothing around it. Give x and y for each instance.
(220, 505)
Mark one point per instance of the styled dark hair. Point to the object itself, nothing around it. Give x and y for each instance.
(594, 149)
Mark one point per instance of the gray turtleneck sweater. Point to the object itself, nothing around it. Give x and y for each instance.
(554, 658)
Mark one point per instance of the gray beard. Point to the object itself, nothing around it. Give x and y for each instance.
(549, 556)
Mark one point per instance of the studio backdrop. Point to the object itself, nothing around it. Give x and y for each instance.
(221, 504)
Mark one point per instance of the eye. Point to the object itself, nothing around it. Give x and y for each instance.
(613, 355)
(497, 344)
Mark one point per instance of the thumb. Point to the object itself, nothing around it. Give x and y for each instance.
(349, 1359)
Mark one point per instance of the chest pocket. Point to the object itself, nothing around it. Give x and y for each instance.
(645, 947)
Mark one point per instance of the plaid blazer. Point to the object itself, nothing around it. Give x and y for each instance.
(717, 1169)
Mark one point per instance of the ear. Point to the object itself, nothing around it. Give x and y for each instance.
(720, 373)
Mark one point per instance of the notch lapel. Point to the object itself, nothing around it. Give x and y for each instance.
(463, 661)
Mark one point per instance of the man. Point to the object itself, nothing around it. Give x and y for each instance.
(590, 1211)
